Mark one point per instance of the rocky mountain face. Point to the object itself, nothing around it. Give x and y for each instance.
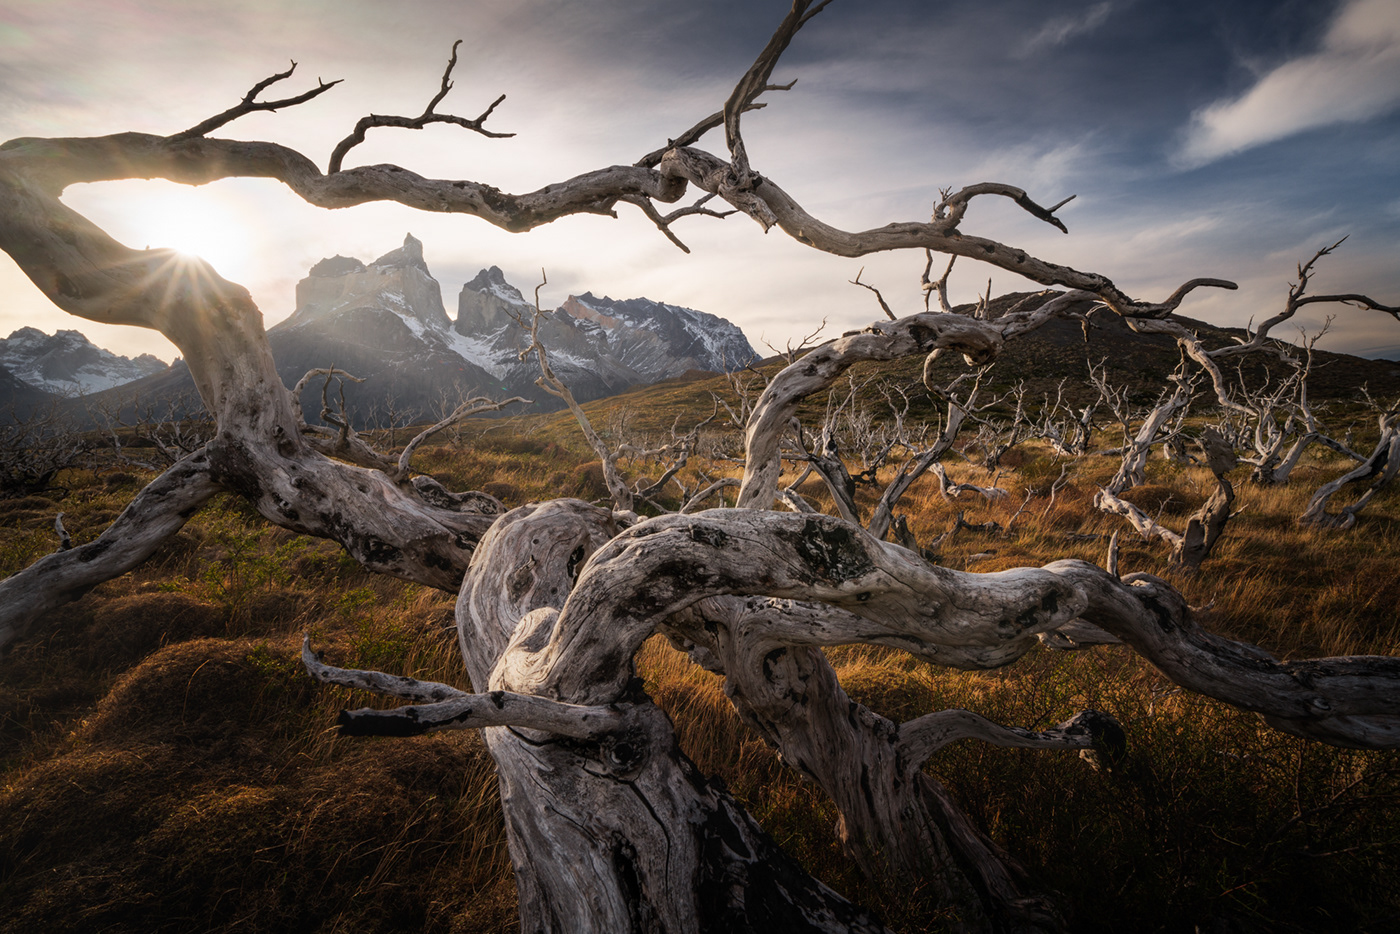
(18, 399)
(68, 364)
(598, 346)
(385, 323)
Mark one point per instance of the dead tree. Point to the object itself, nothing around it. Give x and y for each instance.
(1159, 425)
(1278, 421)
(35, 447)
(339, 438)
(1373, 473)
(1262, 417)
(174, 427)
(610, 827)
(876, 443)
(1204, 527)
(1069, 430)
(624, 497)
(1259, 411)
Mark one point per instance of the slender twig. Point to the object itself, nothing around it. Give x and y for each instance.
(250, 104)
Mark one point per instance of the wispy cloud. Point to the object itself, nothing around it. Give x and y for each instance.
(1354, 76)
(1061, 29)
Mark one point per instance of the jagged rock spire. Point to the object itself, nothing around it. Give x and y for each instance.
(410, 254)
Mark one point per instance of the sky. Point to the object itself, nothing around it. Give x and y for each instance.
(1219, 138)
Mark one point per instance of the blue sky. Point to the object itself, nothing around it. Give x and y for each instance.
(1227, 139)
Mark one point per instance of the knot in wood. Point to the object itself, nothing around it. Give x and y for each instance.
(625, 752)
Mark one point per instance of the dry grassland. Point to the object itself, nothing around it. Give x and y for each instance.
(168, 767)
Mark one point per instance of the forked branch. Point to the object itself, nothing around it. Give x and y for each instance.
(1298, 297)
(755, 82)
(884, 306)
(663, 221)
(250, 104)
(473, 406)
(428, 116)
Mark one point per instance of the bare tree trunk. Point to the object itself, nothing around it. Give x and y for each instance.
(1132, 471)
(621, 834)
(897, 822)
(1205, 526)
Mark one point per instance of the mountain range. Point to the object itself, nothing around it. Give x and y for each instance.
(67, 363)
(385, 323)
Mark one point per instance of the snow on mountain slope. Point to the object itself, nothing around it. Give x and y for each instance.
(68, 364)
(596, 345)
(385, 322)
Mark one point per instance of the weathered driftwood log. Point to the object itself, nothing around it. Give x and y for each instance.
(892, 814)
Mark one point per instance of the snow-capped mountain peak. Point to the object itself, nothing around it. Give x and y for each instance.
(68, 364)
(397, 282)
(596, 345)
(385, 321)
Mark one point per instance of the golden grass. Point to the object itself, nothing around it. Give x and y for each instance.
(166, 766)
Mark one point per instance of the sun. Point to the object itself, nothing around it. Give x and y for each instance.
(196, 222)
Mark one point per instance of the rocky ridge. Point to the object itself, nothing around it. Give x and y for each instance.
(598, 346)
(68, 364)
(385, 322)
